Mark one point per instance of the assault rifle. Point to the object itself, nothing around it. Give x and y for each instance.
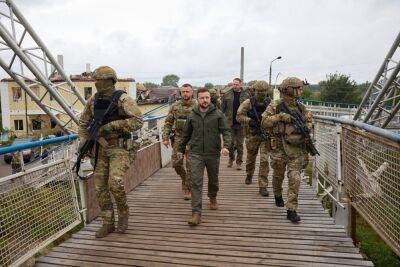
(258, 129)
(93, 130)
(299, 122)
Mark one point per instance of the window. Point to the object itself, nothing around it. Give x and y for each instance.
(53, 124)
(18, 125)
(36, 124)
(87, 92)
(17, 93)
(35, 89)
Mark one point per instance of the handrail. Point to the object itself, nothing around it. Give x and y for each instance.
(367, 127)
(15, 148)
(61, 139)
(149, 118)
(156, 108)
(328, 102)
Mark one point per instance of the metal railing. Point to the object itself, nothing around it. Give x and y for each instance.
(37, 205)
(360, 165)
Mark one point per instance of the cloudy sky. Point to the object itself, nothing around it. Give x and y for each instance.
(200, 40)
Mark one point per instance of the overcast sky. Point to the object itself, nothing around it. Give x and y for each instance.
(200, 40)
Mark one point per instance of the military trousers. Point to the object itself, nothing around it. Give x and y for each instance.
(178, 163)
(292, 159)
(255, 143)
(236, 144)
(198, 164)
(112, 164)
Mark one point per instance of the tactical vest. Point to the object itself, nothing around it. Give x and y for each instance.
(101, 105)
(290, 133)
(181, 113)
(260, 107)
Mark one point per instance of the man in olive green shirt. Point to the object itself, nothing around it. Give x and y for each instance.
(203, 128)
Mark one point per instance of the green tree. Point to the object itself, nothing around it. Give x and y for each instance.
(307, 93)
(362, 89)
(170, 80)
(339, 88)
(151, 85)
(208, 85)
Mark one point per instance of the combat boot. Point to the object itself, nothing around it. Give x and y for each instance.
(230, 163)
(249, 179)
(213, 203)
(195, 220)
(279, 201)
(238, 166)
(292, 216)
(263, 192)
(122, 222)
(104, 230)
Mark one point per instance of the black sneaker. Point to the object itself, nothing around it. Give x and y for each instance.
(279, 201)
(248, 180)
(292, 216)
(263, 192)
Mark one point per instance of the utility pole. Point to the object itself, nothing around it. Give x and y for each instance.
(241, 62)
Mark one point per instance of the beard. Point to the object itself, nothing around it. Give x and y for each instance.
(204, 105)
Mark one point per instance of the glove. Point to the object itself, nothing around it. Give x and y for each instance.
(106, 129)
(285, 117)
(253, 123)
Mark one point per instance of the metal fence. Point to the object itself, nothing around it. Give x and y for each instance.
(365, 172)
(36, 207)
(40, 204)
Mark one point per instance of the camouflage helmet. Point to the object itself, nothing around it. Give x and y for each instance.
(140, 87)
(104, 73)
(260, 86)
(213, 92)
(292, 82)
(288, 84)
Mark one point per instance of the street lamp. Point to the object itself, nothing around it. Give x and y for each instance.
(270, 68)
(276, 93)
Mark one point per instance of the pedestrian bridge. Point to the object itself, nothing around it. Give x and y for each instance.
(246, 230)
(358, 169)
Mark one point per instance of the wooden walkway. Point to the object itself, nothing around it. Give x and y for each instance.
(246, 230)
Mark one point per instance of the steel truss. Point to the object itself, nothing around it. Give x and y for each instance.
(19, 43)
(381, 102)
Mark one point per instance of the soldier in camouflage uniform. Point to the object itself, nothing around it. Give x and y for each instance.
(254, 139)
(174, 124)
(288, 151)
(115, 148)
(215, 99)
(229, 106)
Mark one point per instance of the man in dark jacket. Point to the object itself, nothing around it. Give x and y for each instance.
(231, 101)
(203, 128)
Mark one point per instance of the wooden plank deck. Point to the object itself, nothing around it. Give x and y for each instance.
(246, 230)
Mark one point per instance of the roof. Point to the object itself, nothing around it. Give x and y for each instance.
(84, 77)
